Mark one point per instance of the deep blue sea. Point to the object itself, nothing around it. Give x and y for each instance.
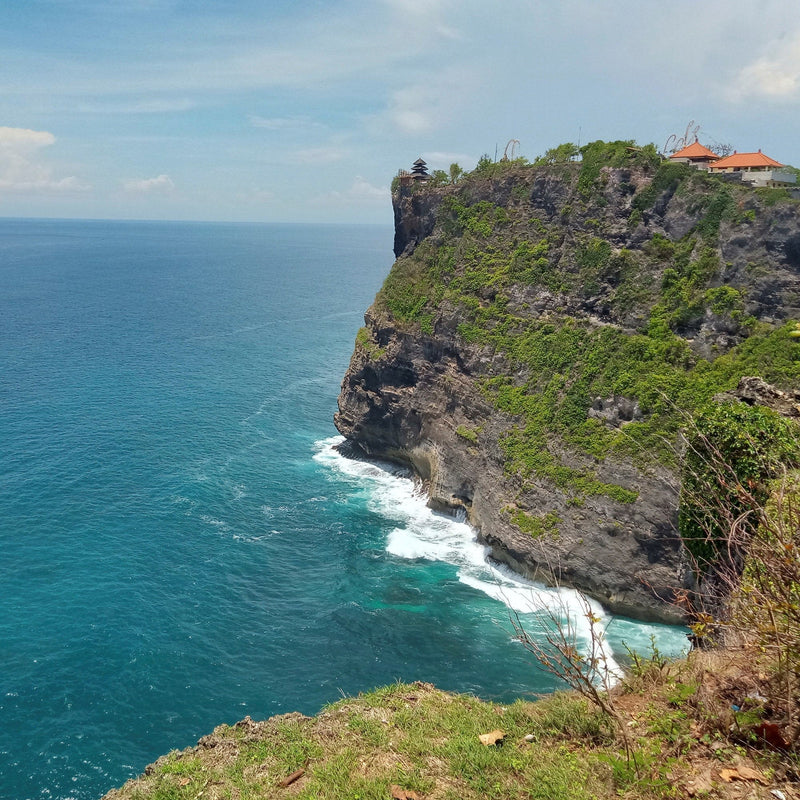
(180, 543)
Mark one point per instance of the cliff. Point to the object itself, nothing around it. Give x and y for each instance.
(544, 335)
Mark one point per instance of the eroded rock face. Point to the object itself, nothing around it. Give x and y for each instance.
(414, 397)
(757, 392)
(626, 555)
(414, 219)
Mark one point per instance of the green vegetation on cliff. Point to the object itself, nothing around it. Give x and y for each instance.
(734, 455)
(567, 271)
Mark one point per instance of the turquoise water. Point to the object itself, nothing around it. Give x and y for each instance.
(180, 542)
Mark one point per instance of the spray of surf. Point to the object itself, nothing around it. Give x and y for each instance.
(422, 534)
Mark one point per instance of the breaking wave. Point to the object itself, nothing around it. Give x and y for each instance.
(425, 535)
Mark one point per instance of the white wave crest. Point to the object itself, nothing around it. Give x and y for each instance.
(421, 533)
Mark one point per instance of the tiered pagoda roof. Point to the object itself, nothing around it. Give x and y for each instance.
(419, 170)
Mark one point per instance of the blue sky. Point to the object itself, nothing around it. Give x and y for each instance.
(303, 111)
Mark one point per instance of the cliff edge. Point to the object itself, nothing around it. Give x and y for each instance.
(544, 335)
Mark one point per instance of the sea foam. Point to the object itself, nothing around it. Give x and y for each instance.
(421, 533)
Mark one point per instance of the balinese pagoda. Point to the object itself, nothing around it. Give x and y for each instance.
(419, 171)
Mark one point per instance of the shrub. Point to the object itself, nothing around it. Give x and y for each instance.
(666, 180)
(470, 434)
(536, 526)
(718, 206)
(561, 154)
(599, 154)
(734, 452)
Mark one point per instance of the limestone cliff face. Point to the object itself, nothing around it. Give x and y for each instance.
(420, 386)
(408, 405)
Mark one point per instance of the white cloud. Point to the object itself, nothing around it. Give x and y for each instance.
(411, 120)
(364, 190)
(774, 76)
(435, 102)
(41, 182)
(19, 139)
(22, 169)
(160, 184)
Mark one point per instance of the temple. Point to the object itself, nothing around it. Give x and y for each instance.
(754, 168)
(695, 154)
(419, 172)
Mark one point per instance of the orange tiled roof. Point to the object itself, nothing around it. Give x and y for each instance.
(745, 160)
(695, 150)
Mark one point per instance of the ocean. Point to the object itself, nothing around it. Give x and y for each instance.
(181, 543)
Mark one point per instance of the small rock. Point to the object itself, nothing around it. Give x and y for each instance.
(529, 737)
(492, 738)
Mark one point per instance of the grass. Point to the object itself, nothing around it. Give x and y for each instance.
(470, 434)
(536, 525)
(365, 342)
(426, 741)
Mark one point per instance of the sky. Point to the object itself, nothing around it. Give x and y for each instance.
(304, 110)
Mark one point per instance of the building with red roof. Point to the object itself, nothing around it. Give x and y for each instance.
(695, 154)
(756, 168)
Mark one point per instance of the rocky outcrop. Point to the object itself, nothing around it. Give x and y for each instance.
(416, 394)
(414, 219)
(419, 403)
(757, 392)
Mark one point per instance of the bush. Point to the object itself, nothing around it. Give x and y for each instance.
(561, 154)
(666, 180)
(599, 154)
(740, 520)
(734, 452)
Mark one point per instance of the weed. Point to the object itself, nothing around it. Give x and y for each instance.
(538, 526)
(470, 434)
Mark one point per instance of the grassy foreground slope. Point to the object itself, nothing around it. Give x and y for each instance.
(413, 741)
